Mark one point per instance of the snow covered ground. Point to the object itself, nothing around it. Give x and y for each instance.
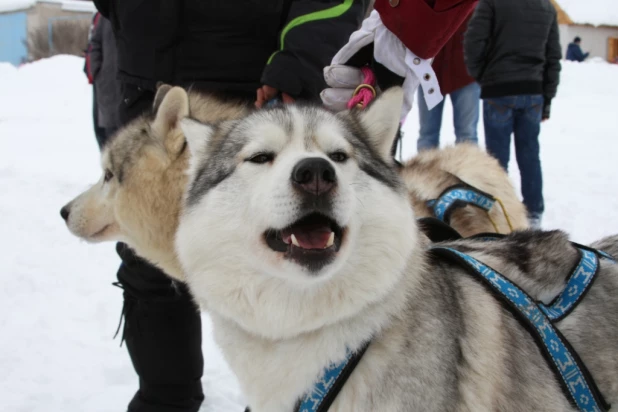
(58, 310)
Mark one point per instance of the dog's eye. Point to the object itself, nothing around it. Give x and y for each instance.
(338, 157)
(261, 158)
(108, 176)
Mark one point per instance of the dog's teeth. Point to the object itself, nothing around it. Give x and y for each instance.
(295, 241)
(331, 240)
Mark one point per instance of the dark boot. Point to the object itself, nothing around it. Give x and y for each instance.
(163, 334)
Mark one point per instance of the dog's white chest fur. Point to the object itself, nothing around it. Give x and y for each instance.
(275, 375)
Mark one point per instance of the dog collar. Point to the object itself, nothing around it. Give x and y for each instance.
(459, 196)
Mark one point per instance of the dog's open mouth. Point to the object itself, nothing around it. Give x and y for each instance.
(312, 241)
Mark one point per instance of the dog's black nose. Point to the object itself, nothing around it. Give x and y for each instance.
(64, 212)
(314, 175)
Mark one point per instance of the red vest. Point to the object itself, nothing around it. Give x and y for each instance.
(449, 64)
(424, 26)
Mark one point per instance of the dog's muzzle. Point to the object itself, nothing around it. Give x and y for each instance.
(315, 238)
(311, 242)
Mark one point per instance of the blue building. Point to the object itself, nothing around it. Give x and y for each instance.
(25, 17)
(13, 37)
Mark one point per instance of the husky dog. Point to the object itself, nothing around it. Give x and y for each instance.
(298, 237)
(138, 198)
(430, 172)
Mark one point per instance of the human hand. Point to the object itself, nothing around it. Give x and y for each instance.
(546, 109)
(267, 93)
(343, 81)
(342, 77)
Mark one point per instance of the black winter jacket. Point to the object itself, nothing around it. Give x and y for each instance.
(513, 48)
(231, 46)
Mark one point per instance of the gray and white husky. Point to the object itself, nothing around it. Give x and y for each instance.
(299, 239)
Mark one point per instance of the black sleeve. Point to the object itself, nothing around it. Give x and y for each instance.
(477, 38)
(553, 54)
(314, 32)
(103, 7)
(146, 33)
(551, 75)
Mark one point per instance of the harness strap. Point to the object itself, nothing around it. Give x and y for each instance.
(578, 284)
(576, 381)
(325, 391)
(457, 196)
(330, 384)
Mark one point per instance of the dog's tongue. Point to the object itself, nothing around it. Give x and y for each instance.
(311, 236)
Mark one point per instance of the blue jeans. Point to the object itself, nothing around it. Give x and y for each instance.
(519, 115)
(466, 103)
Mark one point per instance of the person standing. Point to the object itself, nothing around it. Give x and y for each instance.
(513, 50)
(465, 95)
(251, 50)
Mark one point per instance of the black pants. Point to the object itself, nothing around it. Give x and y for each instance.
(162, 324)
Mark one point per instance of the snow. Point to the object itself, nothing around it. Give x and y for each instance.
(595, 12)
(58, 310)
(7, 6)
(73, 5)
(70, 5)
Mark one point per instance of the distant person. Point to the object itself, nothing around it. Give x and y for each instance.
(513, 50)
(574, 51)
(465, 95)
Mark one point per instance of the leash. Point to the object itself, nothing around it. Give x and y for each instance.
(461, 195)
(575, 380)
(365, 92)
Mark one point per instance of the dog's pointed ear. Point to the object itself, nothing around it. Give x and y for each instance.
(162, 90)
(173, 108)
(197, 134)
(381, 120)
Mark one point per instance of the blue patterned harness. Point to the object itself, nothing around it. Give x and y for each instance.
(538, 318)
